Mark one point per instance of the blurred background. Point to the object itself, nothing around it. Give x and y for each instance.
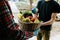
(20, 5)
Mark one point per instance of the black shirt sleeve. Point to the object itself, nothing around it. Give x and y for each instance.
(55, 7)
(38, 5)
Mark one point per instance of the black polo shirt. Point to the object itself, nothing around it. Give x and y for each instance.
(45, 11)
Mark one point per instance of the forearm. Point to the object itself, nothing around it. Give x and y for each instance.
(50, 22)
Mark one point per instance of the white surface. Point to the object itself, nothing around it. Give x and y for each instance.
(33, 38)
(13, 7)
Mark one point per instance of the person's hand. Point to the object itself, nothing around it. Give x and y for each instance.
(41, 24)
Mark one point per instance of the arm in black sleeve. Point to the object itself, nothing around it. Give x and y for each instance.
(38, 5)
(56, 8)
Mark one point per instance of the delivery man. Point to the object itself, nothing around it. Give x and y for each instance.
(47, 11)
